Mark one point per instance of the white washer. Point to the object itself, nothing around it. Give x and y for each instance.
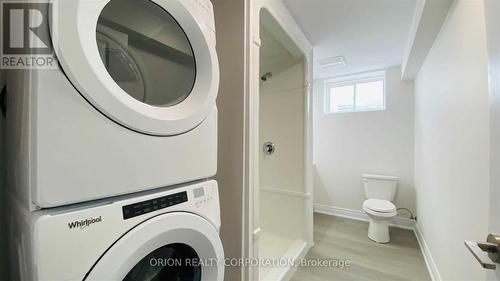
(130, 108)
(173, 233)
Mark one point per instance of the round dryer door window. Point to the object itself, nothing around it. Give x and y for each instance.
(150, 66)
(146, 52)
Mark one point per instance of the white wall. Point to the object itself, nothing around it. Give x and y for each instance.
(452, 142)
(347, 145)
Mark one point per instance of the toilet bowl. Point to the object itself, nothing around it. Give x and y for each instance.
(380, 213)
(379, 191)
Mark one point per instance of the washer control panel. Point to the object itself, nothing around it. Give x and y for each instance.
(144, 207)
(202, 196)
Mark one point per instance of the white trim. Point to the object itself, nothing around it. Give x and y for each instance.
(399, 222)
(304, 195)
(426, 252)
(362, 76)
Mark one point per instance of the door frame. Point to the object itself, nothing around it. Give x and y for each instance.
(492, 21)
(252, 148)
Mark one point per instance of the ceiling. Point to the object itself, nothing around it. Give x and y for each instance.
(369, 34)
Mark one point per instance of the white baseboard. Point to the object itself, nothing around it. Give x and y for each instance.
(360, 215)
(429, 261)
(404, 223)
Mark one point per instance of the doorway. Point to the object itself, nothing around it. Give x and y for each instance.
(284, 205)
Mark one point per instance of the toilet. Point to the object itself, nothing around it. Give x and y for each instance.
(379, 191)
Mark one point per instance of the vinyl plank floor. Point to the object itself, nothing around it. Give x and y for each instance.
(337, 238)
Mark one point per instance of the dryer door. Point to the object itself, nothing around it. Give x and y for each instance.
(148, 65)
(174, 246)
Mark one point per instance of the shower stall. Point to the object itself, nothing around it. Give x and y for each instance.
(283, 199)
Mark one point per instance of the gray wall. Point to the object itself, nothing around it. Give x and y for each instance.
(3, 248)
(230, 26)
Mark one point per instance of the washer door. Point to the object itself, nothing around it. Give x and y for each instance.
(174, 246)
(149, 65)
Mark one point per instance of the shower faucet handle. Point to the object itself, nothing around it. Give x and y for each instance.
(269, 148)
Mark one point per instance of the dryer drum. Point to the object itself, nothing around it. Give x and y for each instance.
(154, 63)
(171, 262)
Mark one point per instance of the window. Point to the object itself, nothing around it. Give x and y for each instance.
(363, 92)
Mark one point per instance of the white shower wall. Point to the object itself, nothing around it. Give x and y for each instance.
(282, 180)
(283, 198)
(282, 122)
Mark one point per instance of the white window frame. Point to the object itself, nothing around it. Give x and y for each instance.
(353, 80)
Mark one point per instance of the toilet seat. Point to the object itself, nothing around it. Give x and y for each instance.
(379, 207)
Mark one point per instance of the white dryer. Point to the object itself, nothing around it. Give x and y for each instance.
(130, 108)
(165, 235)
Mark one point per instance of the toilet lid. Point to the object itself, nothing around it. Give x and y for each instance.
(378, 205)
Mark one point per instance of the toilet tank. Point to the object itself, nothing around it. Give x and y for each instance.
(380, 186)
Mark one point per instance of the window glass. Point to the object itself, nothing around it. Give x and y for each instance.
(146, 52)
(370, 96)
(342, 98)
(361, 94)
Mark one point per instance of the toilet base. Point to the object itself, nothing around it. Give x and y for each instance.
(378, 231)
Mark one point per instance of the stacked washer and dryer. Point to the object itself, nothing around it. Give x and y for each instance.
(110, 155)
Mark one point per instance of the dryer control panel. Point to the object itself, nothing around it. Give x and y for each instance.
(144, 207)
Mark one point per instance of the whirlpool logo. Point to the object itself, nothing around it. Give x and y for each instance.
(81, 224)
